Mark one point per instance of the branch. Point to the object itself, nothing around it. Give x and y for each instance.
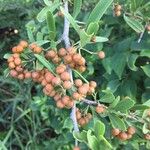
(65, 38)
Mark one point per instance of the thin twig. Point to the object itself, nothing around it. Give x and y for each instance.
(65, 38)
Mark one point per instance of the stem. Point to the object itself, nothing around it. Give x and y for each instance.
(65, 38)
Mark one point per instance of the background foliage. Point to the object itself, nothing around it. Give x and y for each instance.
(30, 120)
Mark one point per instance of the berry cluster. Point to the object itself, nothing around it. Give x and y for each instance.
(124, 135)
(83, 119)
(69, 57)
(117, 10)
(100, 109)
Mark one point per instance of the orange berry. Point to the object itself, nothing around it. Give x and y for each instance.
(131, 130)
(76, 96)
(56, 81)
(15, 55)
(19, 69)
(76, 57)
(59, 104)
(100, 109)
(91, 90)
(10, 59)
(51, 54)
(148, 27)
(17, 61)
(81, 62)
(37, 50)
(52, 93)
(60, 69)
(19, 49)
(67, 85)
(76, 148)
(35, 75)
(32, 46)
(82, 121)
(93, 84)
(14, 49)
(11, 65)
(56, 59)
(48, 77)
(65, 76)
(101, 55)
(147, 136)
(123, 136)
(62, 52)
(82, 68)
(65, 100)
(44, 82)
(57, 97)
(24, 44)
(118, 7)
(129, 136)
(67, 59)
(82, 90)
(78, 82)
(70, 104)
(115, 132)
(72, 65)
(71, 50)
(27, 75)
(13, 73)
(21, 76)
(45, 91)
(49, 87)
(78, 115)
(118, 13)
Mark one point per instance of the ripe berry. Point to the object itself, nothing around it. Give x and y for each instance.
(17, 61)
(93, 84)
(82, 121)
(14, 49)
(70, 104)
(68, 59)
(11, 65)
(115, 132)
(37, 50)
(78, 82)
(65, 76)
(118, 7)
(49, 87)
(27, 75)
(62, 52)
(118, 13)
(67, 85)
(82, 90)
(24, 44)
(10, 59)
(59, 104)
(13, 73)
(35, 75)
(101, 55)
(123, 136)
(44, 82)
(45, 91)
(71, 50)
(78, 115)
(81, 62)
(76, 148)
(21, 76)
(51, 54)
(56, 81)
(147, 136)
(48, 77)
(129, 136)
(32, 46)
(60, 70)
(52, 93)
(19, 69)
(57, 97)
(76, 57)
(19, 48)
(131, 130)
(15, 55)
(100, 109)
(148, 27)
(56, 59)
(76, 96)
(65, 100)
(82, 68)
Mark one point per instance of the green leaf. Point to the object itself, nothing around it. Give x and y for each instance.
(51, 25)
(30, 35)
(145, 53)
(71, 20)
(113, 85)
(47, 2)
(108, 97)
(92, 141)
(124, 105)
(118, 63)
(44, 62)
(76, 7)
(84, 38)
(115, 102)
(131, 62)
(99, 129)
(6, 56)
(140, 107)
(81, 136)
(68, 124)
(146, 69)
(117, 122)
(100, 39)
(92, 28)
(134, 24)
(99, 10)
